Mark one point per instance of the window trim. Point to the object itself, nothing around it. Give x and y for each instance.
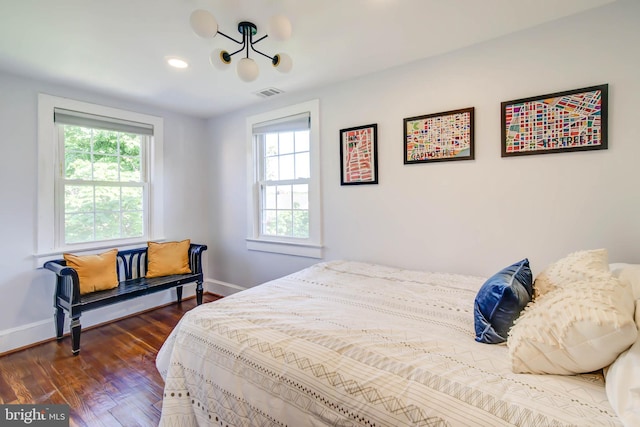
(311, 247)
(48, 155)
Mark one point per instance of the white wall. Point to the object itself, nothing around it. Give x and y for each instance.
(470, 217)
(26, 305)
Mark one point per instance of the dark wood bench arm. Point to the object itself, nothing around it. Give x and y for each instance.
(195, 257)
(67, 281)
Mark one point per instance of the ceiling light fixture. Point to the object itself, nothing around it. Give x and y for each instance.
(204, 24)
(177, 62)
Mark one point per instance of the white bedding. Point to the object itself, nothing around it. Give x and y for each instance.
(353, 344)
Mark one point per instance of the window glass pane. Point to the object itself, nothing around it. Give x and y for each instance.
(77, 165)
(269, 222)
(107, 225)
(303, 168)
(284, 197)
(105, 142)
(78, 198)
(301, 224)
(271, 144)
(132, 199)
(271, 168)
(285, 223)
(77, 139)
(105, 168)
(302, 141)
(286, 142)
(270, 197)
(107, 198)
(78, 228)
(130, 169)
(301, 196)
(287, 166)
(130, 144)
(132, 224)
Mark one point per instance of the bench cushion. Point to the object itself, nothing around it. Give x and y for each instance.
(96, 272)
(168, 258)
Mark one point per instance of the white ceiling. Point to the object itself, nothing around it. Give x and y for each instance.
(118, 47)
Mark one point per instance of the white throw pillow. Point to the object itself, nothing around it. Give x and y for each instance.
(629, 273)
(622, 384)
(579, 328)
(581, 265)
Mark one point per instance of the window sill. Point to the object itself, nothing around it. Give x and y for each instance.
(285, 248)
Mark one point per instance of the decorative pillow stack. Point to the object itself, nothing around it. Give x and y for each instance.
(500, 300)
(580, 322)
(95, 272)
(165, 259)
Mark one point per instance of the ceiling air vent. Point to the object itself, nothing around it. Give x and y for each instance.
(269, 92)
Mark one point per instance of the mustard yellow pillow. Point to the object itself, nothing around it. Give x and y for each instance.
(96, 272)
(165, 259)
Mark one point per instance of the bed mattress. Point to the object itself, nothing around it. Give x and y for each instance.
(346, 343)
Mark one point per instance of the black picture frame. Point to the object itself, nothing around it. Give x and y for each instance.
(439, 137)
(573, 120)
(359, 155)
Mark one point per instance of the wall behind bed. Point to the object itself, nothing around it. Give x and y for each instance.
(470, 217)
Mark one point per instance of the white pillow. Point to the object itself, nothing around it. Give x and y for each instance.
(579, 328)
(622, 384)
(629, 273)
(581, 265)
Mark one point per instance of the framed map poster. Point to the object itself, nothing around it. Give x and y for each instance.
(439, 137)
(574, 120)
(359, 155)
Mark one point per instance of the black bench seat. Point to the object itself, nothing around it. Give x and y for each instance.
(131, 268)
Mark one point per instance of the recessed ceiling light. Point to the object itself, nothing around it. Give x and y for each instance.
(177, 62)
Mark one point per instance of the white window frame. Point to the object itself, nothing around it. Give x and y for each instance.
(49, 165)
(312, 246)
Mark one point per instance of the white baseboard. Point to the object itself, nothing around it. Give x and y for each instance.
(225, 289)
(44, 330)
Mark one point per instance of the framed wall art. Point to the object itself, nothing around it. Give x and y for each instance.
(359, 155)
(439, 137)
(575, 120)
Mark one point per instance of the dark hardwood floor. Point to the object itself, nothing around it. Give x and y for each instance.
(112, 382)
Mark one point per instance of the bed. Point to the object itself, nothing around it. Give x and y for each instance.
(346, 343)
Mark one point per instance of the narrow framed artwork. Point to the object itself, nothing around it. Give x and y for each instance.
(359, 155)
(439, 137)
(574, 120)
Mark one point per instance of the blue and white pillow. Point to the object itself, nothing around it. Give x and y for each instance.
(500, 300)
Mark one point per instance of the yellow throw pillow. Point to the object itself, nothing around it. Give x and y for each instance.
(96, 272)
(165, 259)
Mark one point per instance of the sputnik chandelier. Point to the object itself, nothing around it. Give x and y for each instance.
(204, 24)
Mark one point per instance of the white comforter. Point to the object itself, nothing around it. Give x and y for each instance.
(354, 344)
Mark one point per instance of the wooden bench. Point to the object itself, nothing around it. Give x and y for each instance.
(131, 268)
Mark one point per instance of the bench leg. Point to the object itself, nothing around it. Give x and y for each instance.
(179, 293)
(75, 335)
(199, 292)
(59, 321)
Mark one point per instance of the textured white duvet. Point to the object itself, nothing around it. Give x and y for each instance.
(354, 344)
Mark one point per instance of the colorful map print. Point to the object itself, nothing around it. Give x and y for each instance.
(438, 137)
(358, 155)
(562, 122)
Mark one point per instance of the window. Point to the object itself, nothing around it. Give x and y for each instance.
(100, 176)
(284, 200)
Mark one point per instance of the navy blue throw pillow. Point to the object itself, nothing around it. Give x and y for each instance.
(500, 300)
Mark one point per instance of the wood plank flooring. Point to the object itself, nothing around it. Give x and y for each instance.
(112, 382)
